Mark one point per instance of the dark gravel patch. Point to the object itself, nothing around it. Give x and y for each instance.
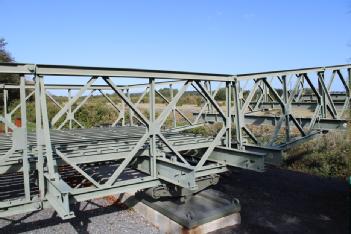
(282, 201)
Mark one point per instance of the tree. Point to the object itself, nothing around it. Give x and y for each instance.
(221, 95)
(5, 57)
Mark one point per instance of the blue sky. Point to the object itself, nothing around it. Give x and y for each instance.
(206, 36)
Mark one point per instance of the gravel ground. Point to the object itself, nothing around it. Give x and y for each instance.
(96, 216)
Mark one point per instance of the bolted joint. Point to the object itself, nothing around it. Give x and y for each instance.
(70, 115)
(154, 128)
(31, 68)
(287, 108)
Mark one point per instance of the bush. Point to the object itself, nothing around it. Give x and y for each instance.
(328, 155)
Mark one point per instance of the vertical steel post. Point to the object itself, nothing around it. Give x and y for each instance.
(123, 109)
(241, 95)
(131, 114)
(210, 91)
(69, 109)
(265, 93)
(173, 108)
(152, 128)
(301, 90)
(39, 138)
(25, 145)
(51, 163)
(238, 115)
(286, 109)
(323, 95)
(5, 110)
(209, 106)
(228, 122)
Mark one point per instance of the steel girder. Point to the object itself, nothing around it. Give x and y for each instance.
(57, 166)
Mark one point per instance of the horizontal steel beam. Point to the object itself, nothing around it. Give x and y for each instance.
(273, 155)
(183, 177)
(238, 158)
(66, 70)
(92, 87)
(272, 120)
(334, 97)
(131, 186)
(258, 75)
(308, 105)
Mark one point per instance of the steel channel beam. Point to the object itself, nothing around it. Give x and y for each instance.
(250, 76)
(92, 87)
(307, 105)
(239, 158)
(327, 124)
(65, 70)
(178, 175)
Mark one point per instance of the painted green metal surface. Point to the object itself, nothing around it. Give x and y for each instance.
(58, 164)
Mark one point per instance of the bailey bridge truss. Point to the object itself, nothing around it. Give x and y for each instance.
(56, 160)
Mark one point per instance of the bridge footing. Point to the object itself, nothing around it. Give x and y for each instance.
(204, 212)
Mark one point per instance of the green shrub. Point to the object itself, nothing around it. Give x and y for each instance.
(328, 155)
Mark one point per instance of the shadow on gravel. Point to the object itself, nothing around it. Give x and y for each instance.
(282, 201)
(79, 223)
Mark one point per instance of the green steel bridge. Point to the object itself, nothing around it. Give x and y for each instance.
(62, 162)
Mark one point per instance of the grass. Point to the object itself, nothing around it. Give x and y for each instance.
(328, 155)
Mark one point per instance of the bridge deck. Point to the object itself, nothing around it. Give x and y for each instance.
(101, 144)
(98, 151)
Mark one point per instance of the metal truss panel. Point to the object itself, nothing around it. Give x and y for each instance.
(57, 167)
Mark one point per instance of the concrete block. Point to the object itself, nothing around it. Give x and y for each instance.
(167, 225)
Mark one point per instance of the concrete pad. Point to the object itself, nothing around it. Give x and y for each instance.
(167, 225)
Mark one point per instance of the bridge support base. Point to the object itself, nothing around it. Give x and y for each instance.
(205, 212)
